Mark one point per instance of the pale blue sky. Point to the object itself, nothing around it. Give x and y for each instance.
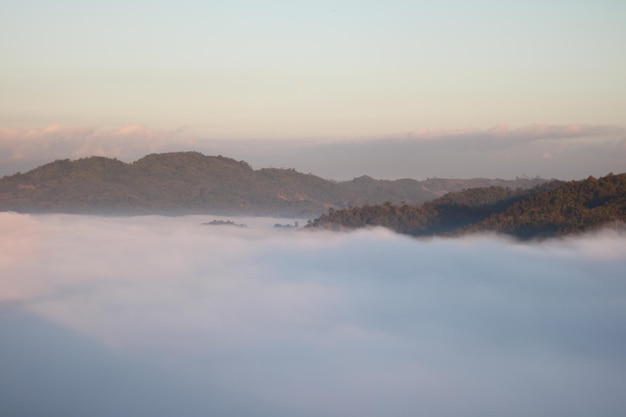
(329, 69)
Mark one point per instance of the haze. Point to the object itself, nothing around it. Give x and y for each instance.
(159, 316)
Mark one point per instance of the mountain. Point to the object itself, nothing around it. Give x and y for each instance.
(190, 182)
(554, 208)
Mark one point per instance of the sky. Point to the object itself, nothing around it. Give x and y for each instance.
(272, 80)
(161, 316)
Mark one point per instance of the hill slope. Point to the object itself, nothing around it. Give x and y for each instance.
(551, 209)
(189, 182)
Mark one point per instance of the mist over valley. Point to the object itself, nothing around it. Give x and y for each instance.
(157, 316)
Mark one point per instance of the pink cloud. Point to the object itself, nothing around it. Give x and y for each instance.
(58, 142)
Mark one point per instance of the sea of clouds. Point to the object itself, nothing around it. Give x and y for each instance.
(161, 316)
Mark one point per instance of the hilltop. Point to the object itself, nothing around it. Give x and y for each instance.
(190, 182)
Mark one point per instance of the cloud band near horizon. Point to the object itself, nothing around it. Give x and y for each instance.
(551, 151)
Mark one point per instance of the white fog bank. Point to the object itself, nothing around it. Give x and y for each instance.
(160, 316)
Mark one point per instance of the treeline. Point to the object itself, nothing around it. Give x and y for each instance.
(552, 209)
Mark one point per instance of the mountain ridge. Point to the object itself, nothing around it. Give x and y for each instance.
(551, 209)
(193, 183)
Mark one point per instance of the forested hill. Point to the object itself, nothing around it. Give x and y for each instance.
(551, 209)
(190, 182)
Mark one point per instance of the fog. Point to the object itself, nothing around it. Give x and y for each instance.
(161, 316)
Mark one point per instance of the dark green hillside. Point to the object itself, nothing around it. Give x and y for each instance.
(551, 209)
(443, 215)
(573, 207)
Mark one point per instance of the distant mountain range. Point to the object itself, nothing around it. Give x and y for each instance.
(551, 209)
(190, 182)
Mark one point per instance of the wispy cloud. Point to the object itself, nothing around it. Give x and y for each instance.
(256, 322)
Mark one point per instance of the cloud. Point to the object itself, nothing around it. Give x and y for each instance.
(531, 132)
(25, 148)
(257, 322)
(551, 151)
(542, 131)
(563, 152)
